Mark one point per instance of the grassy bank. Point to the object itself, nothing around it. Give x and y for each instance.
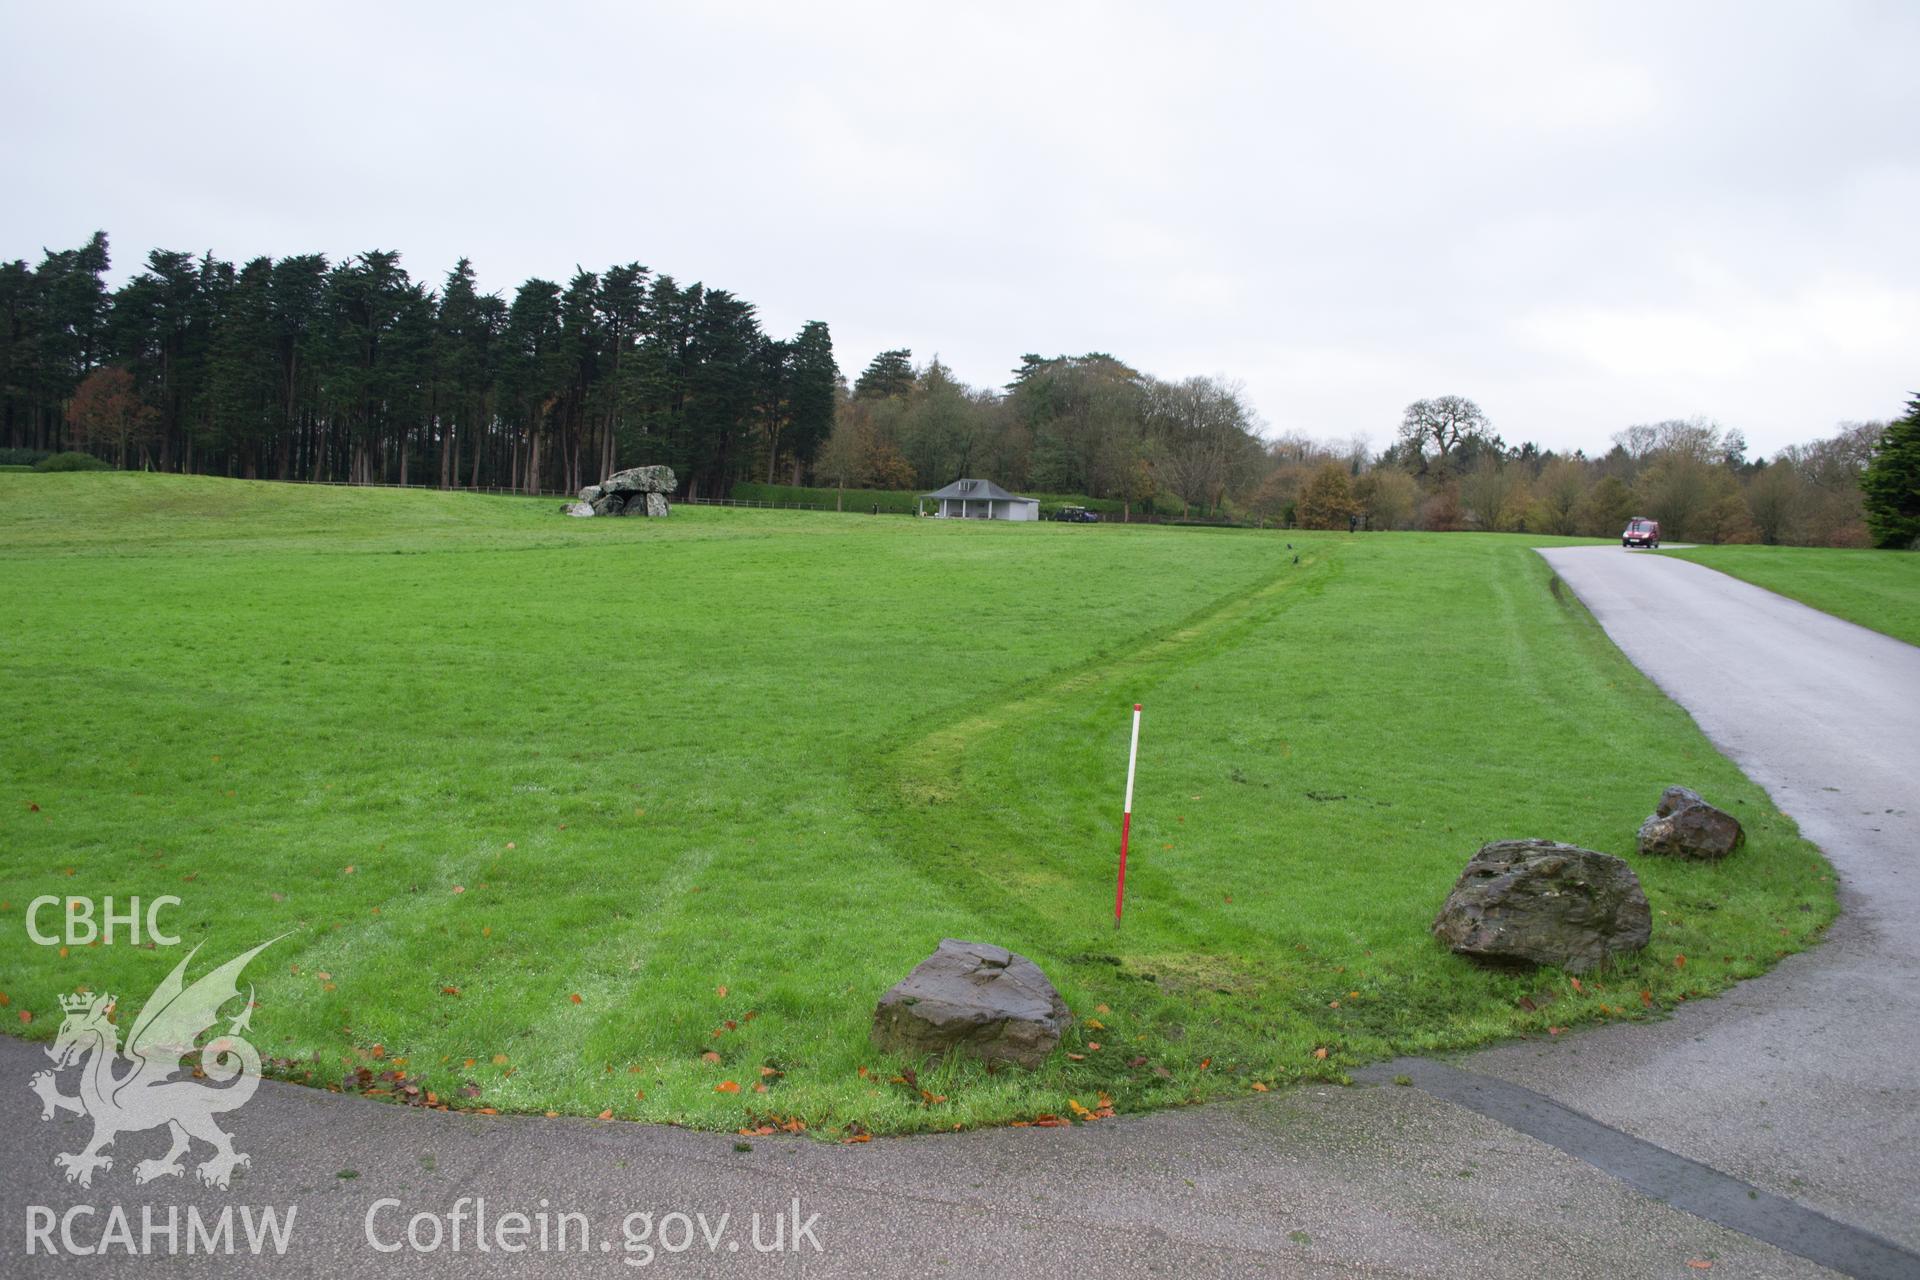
(1877, 589)
(593, 816)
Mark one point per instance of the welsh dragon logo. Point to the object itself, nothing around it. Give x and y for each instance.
(125, 1092)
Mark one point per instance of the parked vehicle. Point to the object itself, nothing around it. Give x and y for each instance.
(1641, 532)
(1077, 515)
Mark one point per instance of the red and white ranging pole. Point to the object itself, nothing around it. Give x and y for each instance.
(1126, 819)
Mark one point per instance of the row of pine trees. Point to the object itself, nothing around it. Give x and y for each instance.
(300, 368)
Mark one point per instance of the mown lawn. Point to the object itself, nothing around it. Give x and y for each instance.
(609, 815)
(1877, 589)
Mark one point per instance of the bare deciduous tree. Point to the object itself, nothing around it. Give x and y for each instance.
(1434, 430)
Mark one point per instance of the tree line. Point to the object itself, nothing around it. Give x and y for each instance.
(1086, 424)
(1447, 468)
(302, 368)
(1092, 425)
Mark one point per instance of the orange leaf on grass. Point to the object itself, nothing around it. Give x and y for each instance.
(858, 1137)
(1205, 1063)
(26, 1016)
(721, 992)
(449, 991)
(607, 1114)
(1076, 1057)
(1258, 1087)
(1679, 962)
(459, 888)
(726, 1086)
(710, 1056)
(499, 1059)
(575, 997)
(1321, 1052)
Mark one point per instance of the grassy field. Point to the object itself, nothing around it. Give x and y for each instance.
(1877, 589)
(611, 815)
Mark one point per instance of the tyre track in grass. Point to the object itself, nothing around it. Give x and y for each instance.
(918, 785)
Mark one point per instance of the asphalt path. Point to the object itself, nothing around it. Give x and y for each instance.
(1797, 1093)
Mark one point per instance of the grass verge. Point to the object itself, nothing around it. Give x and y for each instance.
(607, 816)
(1877, 589)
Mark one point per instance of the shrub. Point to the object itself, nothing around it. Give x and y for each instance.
(1891, 485)
(21, 457)
(71, 461)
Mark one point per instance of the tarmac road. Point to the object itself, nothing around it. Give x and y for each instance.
(1800, 1088)
(1805, 1082)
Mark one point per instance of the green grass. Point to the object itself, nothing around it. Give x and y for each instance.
(1877, 589)
(456, 743)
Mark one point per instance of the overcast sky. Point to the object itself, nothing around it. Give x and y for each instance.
(1580, 217)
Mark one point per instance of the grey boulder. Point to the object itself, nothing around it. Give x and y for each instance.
(1543, 902)
(576, 509)
(973, 999)
(1685, 826)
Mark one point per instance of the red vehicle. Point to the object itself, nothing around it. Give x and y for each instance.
(1641, 532)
